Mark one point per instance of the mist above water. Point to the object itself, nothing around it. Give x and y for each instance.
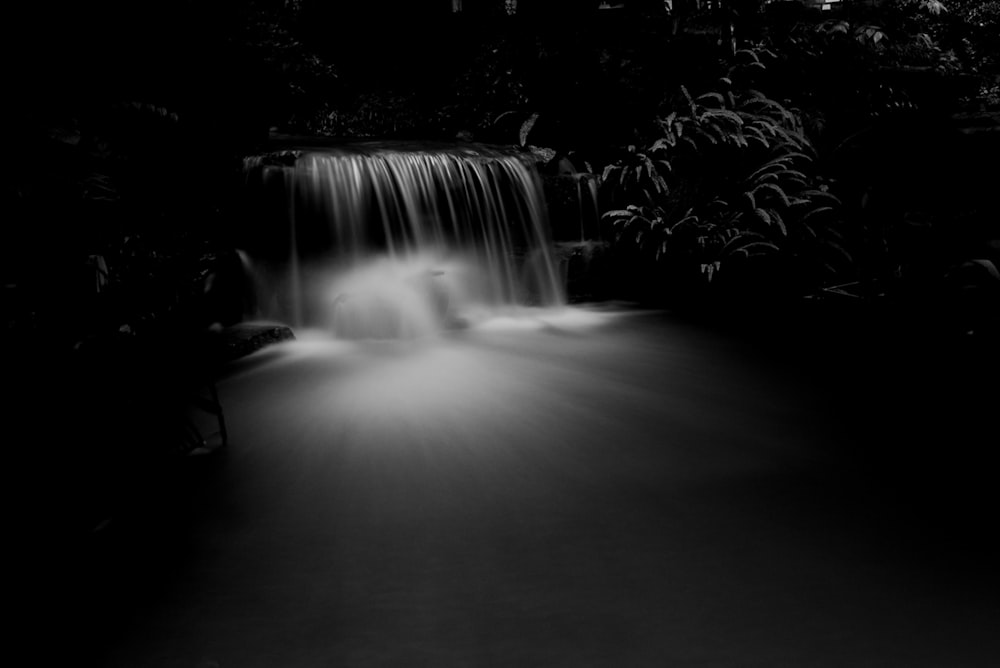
(449, 466)
(387, 243)
(553, 486)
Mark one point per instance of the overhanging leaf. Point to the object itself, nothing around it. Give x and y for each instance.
(818, 210)
(526, 128)
(757, 248)
(778, 220)
(739, 240)
(712, 97)
(820, 194)
(660, 144)
(773, 187)
(988, 265)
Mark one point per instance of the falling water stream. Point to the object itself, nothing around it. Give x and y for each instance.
(451, 467)
(389, 243)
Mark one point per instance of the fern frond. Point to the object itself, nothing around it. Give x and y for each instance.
(757, 248)
(526, 128)
(690, 101)
(661, 144)
(779, 221)
(740, 239)
(608, 170)
(715, 97)
(727, 114)
(821, 194)
(773, 187)
(766, 168)
(816, 211)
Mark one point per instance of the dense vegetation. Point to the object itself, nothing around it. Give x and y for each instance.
(747, 152)
(760, 146)
(748, 164)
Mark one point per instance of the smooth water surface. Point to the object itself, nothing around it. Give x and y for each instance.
(568, 487)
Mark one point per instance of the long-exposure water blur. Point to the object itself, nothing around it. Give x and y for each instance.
(474, 333)
(571, 486)
(448, 465)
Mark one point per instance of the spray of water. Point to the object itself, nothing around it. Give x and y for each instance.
(390, 243)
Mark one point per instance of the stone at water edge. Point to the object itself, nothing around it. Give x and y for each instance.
(244, 338)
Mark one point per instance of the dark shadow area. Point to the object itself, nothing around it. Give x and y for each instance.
(796, 204)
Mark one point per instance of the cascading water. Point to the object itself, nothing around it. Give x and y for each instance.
(583, 482)
(387, 242)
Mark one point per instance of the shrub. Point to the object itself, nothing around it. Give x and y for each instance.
(724, 181)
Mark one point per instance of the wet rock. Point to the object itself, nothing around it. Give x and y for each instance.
(244, 338)
(979, 124)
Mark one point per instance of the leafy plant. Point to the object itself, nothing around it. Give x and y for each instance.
(850, 65)
(972, 295)
(377, 114)
(724, 177)
(492, 84)
(267, 35)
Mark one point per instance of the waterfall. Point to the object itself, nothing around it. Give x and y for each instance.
(390, 242)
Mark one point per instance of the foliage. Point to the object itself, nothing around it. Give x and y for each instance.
(971, 294)
(839, 67)
(587, 84)
(843, 63)
(115, 232)
(295, 75)
(725, 177)
(495, 82)
(986, 97)
(375, 114)
(963, 31)
(268, 34)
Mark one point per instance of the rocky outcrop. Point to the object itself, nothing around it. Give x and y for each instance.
(244, 338)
